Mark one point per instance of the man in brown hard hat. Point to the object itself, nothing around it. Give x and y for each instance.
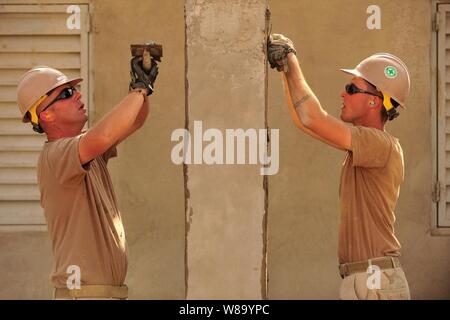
(77, 195)
(373, 168)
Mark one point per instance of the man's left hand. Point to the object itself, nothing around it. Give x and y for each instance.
(278, 48)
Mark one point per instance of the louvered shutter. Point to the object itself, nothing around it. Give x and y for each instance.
(31, 35)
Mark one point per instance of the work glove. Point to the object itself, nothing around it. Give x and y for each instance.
(143, 73)
(278, 48)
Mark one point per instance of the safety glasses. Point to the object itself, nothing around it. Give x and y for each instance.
(352, 89)
(67, 93)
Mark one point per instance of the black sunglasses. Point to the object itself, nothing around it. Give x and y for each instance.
(351, 88)
(65, 94)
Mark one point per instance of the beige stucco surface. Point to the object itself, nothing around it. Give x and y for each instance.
(303, 197)
(149, 187)
(224, 234)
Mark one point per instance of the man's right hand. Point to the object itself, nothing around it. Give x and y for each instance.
(141, 79)
(278, 48)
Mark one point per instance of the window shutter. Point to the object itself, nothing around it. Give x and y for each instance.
(443, 115)
(31, 35)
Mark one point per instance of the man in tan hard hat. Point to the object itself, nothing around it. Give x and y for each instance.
(84, 223)
(373, 168)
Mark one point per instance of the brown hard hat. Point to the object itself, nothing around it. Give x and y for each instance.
(386, 72)
(36, 83)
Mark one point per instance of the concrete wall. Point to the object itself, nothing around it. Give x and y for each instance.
(226, 75)
(303, 206)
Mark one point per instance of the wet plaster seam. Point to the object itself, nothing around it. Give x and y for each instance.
(185, 168)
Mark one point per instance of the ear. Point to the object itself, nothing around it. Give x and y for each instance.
(375, 103)
(47, 116)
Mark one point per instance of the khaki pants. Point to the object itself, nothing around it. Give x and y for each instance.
(393, 286)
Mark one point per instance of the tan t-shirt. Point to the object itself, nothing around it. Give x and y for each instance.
(84, 223)
(370, 184)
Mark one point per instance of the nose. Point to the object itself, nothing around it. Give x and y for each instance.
(343, 93)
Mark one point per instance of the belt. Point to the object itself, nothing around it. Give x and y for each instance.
(347, 269)
(93, 291)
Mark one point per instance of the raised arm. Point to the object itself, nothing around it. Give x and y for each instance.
(114, 127)
(126, 117)
(305, 108)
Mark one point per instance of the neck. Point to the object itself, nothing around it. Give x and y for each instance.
(370, 124)
(57, 134)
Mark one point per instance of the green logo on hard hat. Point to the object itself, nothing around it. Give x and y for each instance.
(390, 72)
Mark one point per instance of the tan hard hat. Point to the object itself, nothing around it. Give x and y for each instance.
(386, 72)
(36, 83)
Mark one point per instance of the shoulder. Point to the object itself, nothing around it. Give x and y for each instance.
(60, 152)
(61, 144)
(373, 147)
(361, 132)
(365, 137)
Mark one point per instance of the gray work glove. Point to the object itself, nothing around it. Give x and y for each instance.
(278, 48)
(140, 77)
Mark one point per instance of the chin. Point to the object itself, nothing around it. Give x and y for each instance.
(345, 117)
(82, 123)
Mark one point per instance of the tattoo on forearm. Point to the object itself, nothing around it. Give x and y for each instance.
(298, 103)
